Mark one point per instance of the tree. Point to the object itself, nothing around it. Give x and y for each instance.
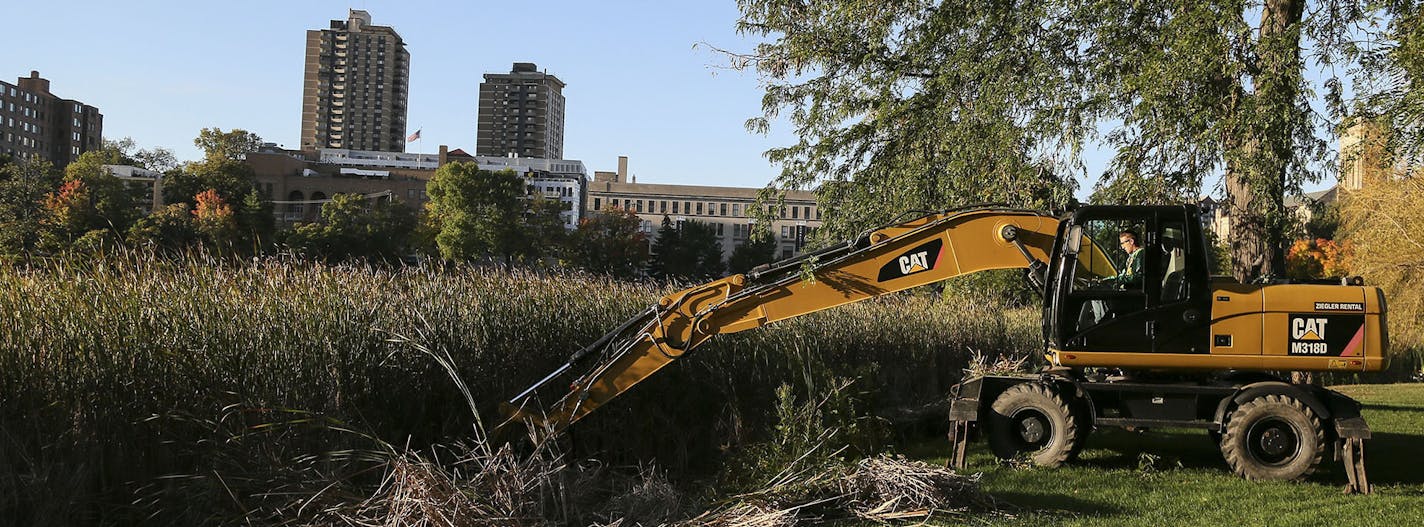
(757, 250)
(1318, 258)
(256, 226)
(232, 146)
(479, 213)
(1393, 84)
(170, 228)
(687, 251)
(91, 204)
(23, 187)
(158, 159)
(232, 180)
(214, 219)
(354, 227)
(610, 242)
(924, 105)
(545, 235)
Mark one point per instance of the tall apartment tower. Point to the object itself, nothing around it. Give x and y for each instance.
(522, 113)
(35, 122)
(355, 89)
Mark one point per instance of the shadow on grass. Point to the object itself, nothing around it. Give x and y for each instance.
(1393, 459)
(1044, 503)
(1393, 408)
(1389, 457)
(1121, 449)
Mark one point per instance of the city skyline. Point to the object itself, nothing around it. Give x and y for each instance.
(161, 71)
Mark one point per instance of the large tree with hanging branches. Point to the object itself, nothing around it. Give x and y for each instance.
(919, 104)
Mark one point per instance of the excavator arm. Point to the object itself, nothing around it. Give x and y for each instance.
(925, 250)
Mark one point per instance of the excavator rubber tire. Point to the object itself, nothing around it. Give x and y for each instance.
(1273, 437)
(1033, 420)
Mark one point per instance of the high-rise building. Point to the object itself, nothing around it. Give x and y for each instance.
(521, 113)
(356, 85)
(35, 122)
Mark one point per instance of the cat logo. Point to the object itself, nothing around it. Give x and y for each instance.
(914, 263)
(917, 260)
(1308, 336)
(1308, 328)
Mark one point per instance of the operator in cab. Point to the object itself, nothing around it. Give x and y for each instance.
(1131, 274)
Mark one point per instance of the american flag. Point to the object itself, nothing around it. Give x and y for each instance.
(413, 136)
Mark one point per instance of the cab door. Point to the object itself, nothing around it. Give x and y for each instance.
(1098, 308)
(1178, 285)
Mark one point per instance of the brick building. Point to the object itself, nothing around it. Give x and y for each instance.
(35, 122)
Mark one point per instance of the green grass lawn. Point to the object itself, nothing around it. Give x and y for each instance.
(1168, 478)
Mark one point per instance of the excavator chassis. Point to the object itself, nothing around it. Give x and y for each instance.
(1205, 404)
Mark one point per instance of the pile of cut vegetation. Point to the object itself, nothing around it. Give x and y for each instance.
(882, 488)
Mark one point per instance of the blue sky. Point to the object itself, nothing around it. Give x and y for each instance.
(641, 82)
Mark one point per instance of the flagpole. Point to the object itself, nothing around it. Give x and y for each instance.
(415, 138)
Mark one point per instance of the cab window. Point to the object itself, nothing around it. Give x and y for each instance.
(1106, 261)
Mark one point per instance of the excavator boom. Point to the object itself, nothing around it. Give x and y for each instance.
(921, 251)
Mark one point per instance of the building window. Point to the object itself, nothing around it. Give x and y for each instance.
(736, 209)
(675, 207)
(597, 203)
(785, 231)
(662, 206)
(699, 208)
(794, 211)
(723, 209)
(721, 229)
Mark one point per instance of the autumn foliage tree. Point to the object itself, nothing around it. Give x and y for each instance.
(1318, 258)
(214, 219)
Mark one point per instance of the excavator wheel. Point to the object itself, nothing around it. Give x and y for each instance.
(1273, 437)
(1033, 420)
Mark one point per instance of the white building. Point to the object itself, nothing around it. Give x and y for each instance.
(150, 181)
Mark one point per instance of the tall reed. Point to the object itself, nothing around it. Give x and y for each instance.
(123, 377)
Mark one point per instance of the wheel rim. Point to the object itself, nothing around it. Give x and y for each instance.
(1273, 441)
(1032, 428)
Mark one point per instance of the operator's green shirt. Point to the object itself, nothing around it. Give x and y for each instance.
(1131, 274)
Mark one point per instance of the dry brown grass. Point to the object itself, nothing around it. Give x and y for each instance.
(880, 489)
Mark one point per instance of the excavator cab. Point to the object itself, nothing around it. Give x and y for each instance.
(1094, 303)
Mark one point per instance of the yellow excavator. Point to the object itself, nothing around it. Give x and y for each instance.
(1137, 334)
